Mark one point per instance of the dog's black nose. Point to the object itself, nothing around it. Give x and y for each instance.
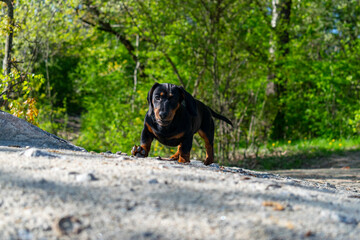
(162, 115)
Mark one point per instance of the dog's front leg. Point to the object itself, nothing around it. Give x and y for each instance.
(176, 155)
(184, 150)
(145, 144)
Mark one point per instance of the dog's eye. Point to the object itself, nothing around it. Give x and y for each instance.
(157, 98)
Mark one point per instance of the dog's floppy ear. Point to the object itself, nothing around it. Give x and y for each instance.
(190, 102)
(149, 97)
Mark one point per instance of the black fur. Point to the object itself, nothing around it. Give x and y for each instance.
(173, 118)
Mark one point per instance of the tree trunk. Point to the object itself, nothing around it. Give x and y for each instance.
(279, 50)
(9, 38)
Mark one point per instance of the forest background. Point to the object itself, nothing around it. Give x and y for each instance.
(282, 70)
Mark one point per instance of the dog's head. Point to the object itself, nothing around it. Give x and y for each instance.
(165, 99)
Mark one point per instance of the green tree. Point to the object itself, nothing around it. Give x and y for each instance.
(278, 69)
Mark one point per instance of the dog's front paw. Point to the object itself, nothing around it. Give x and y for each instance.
(138, 151)
(208, 161)
(175, 156)
(184, 158)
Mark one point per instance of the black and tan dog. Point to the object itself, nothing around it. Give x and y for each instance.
(173, 118)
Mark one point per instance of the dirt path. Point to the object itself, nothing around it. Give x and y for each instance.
(346, 178)
(50, 194)
(350, 159)
(338, 170)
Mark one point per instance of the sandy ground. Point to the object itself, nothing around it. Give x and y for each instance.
(338, 170)
(346, 178)
(50, 194)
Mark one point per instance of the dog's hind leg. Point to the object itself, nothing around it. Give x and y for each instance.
(207, 133)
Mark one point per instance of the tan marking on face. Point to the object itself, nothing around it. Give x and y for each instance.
(156, 111)
(172, 113)
(162, 94)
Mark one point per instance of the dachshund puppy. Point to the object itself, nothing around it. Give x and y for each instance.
(173, 118)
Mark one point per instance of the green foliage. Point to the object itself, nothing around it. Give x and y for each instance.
(99, 59)
(17, 90)
(114, 113)
(355, 123)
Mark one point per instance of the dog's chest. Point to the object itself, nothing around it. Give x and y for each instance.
(172, 139)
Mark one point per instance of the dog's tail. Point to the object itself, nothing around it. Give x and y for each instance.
(221, 117)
